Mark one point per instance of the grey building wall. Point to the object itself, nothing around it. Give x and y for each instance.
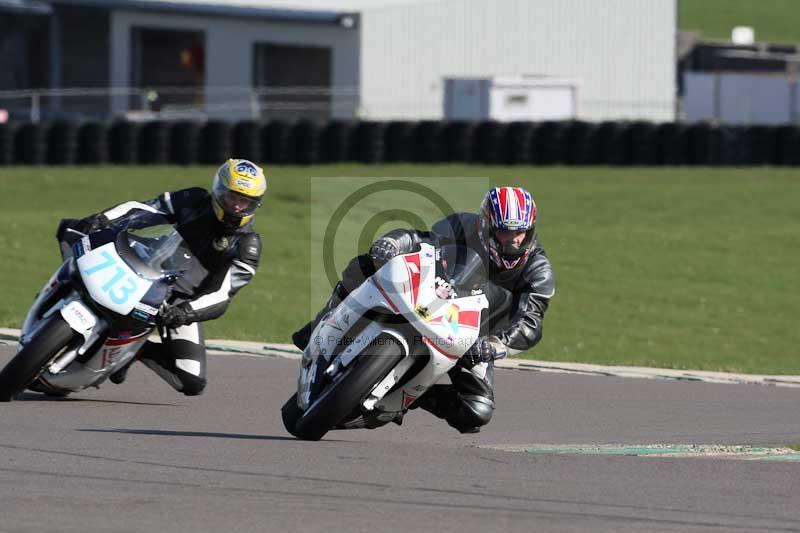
(732, 98)
(229, 53)
(84, 38)
(623, 51)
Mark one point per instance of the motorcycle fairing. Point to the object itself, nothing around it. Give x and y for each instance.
(405, 286)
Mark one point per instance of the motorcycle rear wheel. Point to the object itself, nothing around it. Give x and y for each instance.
(29, 362)
(344, 394)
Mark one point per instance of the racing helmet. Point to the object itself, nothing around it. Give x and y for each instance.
(507, 209)
(236, 192)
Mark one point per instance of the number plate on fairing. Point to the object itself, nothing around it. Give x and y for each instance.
(110, 281)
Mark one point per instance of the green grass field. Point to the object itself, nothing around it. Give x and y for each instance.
(681, 268)
(774, 20)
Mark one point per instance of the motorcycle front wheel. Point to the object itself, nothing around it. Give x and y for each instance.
(340, 397)
(31, 361)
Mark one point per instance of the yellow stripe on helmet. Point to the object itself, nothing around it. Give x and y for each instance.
(244, 178)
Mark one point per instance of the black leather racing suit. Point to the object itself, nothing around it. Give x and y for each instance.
(518, 299)
(226, 261)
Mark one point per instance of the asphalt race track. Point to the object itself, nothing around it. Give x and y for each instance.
(140, 457)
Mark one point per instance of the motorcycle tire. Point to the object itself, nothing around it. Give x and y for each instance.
(344, 394)
(290, 414)
(29, 362)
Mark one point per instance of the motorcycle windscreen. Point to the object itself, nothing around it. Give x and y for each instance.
(463, 268)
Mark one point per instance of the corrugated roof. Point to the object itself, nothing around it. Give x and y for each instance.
(267, 8)
(299, 5)
(27, 7)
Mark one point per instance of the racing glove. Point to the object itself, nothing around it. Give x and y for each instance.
(383, 249)
(175, 316)
(485, 349)
(94, 223)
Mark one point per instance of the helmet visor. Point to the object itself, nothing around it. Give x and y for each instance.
(237, 204)
(234, 203)
(510, 250)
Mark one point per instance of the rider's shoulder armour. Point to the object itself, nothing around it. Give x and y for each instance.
(250, 248)
(538, 274)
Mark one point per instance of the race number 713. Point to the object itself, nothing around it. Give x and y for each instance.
(117, 288)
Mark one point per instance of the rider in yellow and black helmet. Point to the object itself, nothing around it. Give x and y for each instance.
(236, 192)
(217, 226)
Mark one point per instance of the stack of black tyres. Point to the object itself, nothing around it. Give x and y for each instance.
(92, 143)
(732, 145)
(519, 137)
(184, 142)
(62, 143)
(245, 141)
(30, 146)
(490, 143)
(215, 142)
(309, 142)
(671, 140)
(154, 143)
(399, 142)
(306, 142)
(276, 142)
(7, 144)
(429, 142)
(613, 143)
(581, 143)
(703, 144)
(550, 143)
(762, 141)
(369, 142)
(643, 143)
(458, 141)
(789, 145)
(123, 143)
(338, 141)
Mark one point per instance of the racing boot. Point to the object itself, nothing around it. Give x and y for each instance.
(443, 401)
(302, 337)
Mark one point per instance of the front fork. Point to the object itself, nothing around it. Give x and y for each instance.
(84, 322)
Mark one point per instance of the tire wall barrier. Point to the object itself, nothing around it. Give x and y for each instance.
(306, 142)
(92, 148)
(123, 143)
(62, 143)
(7, 133)
(154, 143)
(215, 142)
(184, 143)
(30, 146)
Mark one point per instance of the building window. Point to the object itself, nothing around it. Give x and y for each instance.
(292, 81)
(169, 59)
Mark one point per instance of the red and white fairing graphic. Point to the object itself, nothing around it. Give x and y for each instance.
(406, 285)
(409, 287)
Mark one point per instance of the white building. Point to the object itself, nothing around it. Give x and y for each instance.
(379, 59)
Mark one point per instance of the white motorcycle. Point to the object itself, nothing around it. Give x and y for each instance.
(390, 340)
(99, 307)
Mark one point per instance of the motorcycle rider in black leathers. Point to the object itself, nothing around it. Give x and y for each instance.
(218, 229)
(521, 286)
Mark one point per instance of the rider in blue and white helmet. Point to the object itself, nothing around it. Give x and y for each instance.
(507, 225)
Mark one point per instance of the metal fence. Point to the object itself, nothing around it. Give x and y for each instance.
(260, 104)
(173, 103)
